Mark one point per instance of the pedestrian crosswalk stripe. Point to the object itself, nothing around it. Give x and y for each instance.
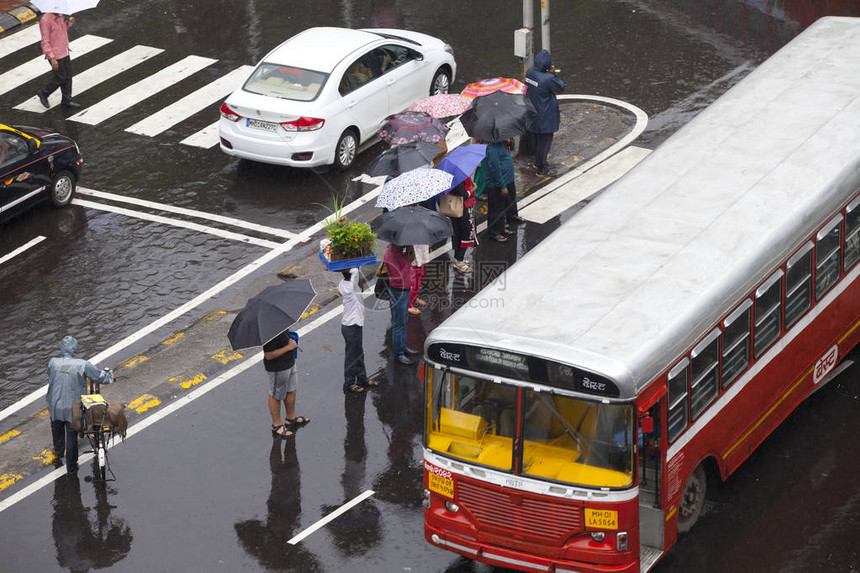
(191, 104)
(96, 75)
(18, 40)
(141, 90)
(205, 138)
(39, 66)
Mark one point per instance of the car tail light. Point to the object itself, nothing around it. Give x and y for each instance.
(228, 113)
(304, 124)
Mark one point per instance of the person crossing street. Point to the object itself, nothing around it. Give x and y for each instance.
(54, 29)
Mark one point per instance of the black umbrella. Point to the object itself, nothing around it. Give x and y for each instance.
(403, 158)
(498, 116)
(270, 313)
(412, 226)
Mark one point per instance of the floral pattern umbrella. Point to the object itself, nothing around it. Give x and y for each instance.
(408, 126)
(413, 187)
(441, 105)
(490, 85)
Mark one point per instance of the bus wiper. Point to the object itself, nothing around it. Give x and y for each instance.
(550, 402)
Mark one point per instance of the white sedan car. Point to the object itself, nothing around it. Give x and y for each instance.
(317, 97)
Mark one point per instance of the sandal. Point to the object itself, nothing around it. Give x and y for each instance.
(500, 239)
(462, 266)
(371, 383)
(413, 310)
(296, 422)
(356, 388)
(517, 220)
(510, 232)
(420, 301)
(281, 432)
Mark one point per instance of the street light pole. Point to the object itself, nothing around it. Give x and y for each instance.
(528, 24)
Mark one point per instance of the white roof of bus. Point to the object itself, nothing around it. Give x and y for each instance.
(632, 280)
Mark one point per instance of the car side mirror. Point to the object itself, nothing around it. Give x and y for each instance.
(32, 146)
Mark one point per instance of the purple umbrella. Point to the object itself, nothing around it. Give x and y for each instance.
(462, 161)
(408, 126)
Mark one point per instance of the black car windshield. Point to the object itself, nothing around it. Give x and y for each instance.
(285, 82)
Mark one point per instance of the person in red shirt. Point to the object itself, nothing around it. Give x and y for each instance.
(55, 45)
(398, 262)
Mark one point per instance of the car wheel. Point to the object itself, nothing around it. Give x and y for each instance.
(441, 82)
(692, 500)
(346, 150)
(62, 189)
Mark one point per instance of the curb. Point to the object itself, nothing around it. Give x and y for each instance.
(18, 16)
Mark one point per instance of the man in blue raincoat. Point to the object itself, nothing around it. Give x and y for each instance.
(66, 383)
(543, 84)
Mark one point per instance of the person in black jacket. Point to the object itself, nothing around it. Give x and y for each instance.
(280, 364)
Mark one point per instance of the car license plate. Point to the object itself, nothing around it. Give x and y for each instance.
(258, 124)
(440, 481)
(601, 518)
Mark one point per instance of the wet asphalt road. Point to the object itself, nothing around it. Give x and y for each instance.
(206, 489)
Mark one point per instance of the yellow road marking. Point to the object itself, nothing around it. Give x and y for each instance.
(214, 315)
(8, 479)
(766, 414)
(309, 312)
(43, 413)
(47, 457)
(174, 339)
(8, 436)
(132, 362)
(186, 382)
(226, 356)
(144, 403)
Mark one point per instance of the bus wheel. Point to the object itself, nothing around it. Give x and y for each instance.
(693, 500)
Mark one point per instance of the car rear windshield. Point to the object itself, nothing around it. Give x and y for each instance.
(275, 80)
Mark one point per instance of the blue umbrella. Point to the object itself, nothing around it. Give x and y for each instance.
(462, 161)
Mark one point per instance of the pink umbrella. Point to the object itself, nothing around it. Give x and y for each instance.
(408, 126)
(490, 85)
(441, 105)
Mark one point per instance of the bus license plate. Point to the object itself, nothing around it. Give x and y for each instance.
(442, 485)
(257, 124)
(601, 518)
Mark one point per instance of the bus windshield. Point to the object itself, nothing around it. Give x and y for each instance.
(577, 441)
(565, 439)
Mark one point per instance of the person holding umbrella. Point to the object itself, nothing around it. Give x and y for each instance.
(398, 261)
(265, 321)
(501, 191)
(54, 29)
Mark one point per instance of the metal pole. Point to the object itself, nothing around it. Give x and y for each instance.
(544, 25)
(529, 23)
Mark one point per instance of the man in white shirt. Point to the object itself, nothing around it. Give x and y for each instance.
(354, 373)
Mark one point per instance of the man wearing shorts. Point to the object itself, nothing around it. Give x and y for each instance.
(280, 363)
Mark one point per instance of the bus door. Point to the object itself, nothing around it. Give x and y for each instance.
(651, 515)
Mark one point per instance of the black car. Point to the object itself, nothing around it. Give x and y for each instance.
(36, 165)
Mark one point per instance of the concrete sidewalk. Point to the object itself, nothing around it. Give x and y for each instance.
(197, 350)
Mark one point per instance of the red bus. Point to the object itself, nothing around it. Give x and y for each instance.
(580, 407)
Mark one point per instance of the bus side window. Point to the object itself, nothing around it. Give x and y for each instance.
(827, 248)
(736, 343)
(852, 234)
(768, 314)
(704, 371)
(798, 285)
(677, 382)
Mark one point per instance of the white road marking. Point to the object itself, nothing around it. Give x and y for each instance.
(39, 66)
(584, 186)
(283, 233)
(145, 88)
(96, 75)
(20, 39)
(21, 249)
(192, 103)
(178, 223)
(205, 138)
(331, 516)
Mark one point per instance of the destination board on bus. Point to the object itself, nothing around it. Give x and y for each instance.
(522, 367)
